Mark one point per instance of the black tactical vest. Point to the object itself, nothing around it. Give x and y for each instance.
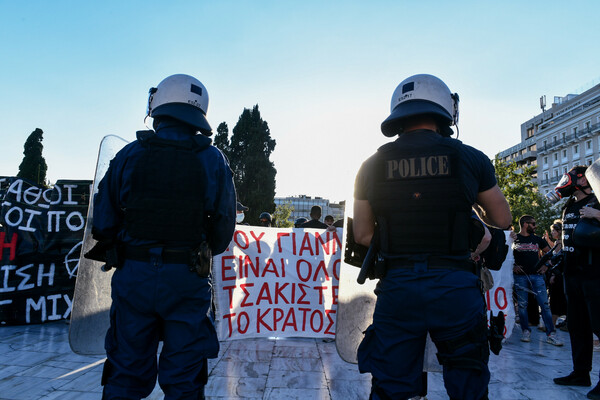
(167, 191)
(419, 199)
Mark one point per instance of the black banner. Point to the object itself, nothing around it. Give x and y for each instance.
(40, 240)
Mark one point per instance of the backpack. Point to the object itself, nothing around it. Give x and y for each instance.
(496, 252)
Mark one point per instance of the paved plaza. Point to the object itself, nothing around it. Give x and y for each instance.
(36, 362)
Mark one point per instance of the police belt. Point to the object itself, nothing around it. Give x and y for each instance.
(432, 262)
(168, 256)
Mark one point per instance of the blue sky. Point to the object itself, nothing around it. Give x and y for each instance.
(322, 72)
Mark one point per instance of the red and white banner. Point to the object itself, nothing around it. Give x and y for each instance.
(277, 282)
(500, 297)
(283, 282)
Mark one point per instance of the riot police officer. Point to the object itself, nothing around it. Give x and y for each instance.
(581, 251)
(417, 193)
(166, 201)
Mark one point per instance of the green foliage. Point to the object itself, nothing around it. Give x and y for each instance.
(282, 215)
(523, 196)
(249, 150)
(33, 167)
(221, 140)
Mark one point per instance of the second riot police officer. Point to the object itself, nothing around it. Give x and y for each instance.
(416, 193)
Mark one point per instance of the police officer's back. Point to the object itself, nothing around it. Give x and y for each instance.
(417, 193)
(166, 202)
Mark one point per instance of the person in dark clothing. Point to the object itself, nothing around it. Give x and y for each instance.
(329, 220)
(240, 209)
(315, 216)
(414, 198)
(265, 219)
(166, 201)
(530, 278)
(556, 287)
(299, 221)
(582, 277)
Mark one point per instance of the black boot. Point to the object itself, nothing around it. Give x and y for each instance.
(575, 378)
(594, 393)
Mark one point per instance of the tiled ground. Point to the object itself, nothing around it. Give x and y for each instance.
(37, 363)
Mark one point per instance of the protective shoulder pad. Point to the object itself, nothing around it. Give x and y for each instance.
(143, 136)
(386, 147)
(201, 142)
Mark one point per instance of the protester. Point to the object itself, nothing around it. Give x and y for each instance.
(328, 220)
(556, 291)
(529, 277)
(240, 208)
(265, 219)
(299, 221)
(315, 216)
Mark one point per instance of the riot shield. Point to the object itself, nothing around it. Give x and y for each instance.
(91, 300)
(593, 176)
(356, 304)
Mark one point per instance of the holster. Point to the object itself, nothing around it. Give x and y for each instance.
(202, 260)
(107, 252)
(354, 253)
(373, 265)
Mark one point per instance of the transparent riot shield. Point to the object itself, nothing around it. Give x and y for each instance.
(593, 176)
(91, 301)
(356, 304)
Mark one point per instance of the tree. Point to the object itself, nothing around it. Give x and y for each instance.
(33, 167)
(523, 195)
(222, 138)
(250, 147)
(282, 215)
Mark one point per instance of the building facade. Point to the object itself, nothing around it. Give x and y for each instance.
(302, 205)
(559, 138)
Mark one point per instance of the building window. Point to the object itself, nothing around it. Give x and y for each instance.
(554, 139)
(588, 125)
(589, 161)
(575, 131)
(555, 157)
(529, 132)
(545, 162)
(565, 169)
(555, 172)
(588, 146)
(576, 150)
(564, 153)
(546, 142)
(564, 136)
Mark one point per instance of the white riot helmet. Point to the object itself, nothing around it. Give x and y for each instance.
(182, 97)
(422, 94)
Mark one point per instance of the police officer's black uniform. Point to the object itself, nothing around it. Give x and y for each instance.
(420, 190)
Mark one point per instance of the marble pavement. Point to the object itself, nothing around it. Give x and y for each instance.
(37, 363)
